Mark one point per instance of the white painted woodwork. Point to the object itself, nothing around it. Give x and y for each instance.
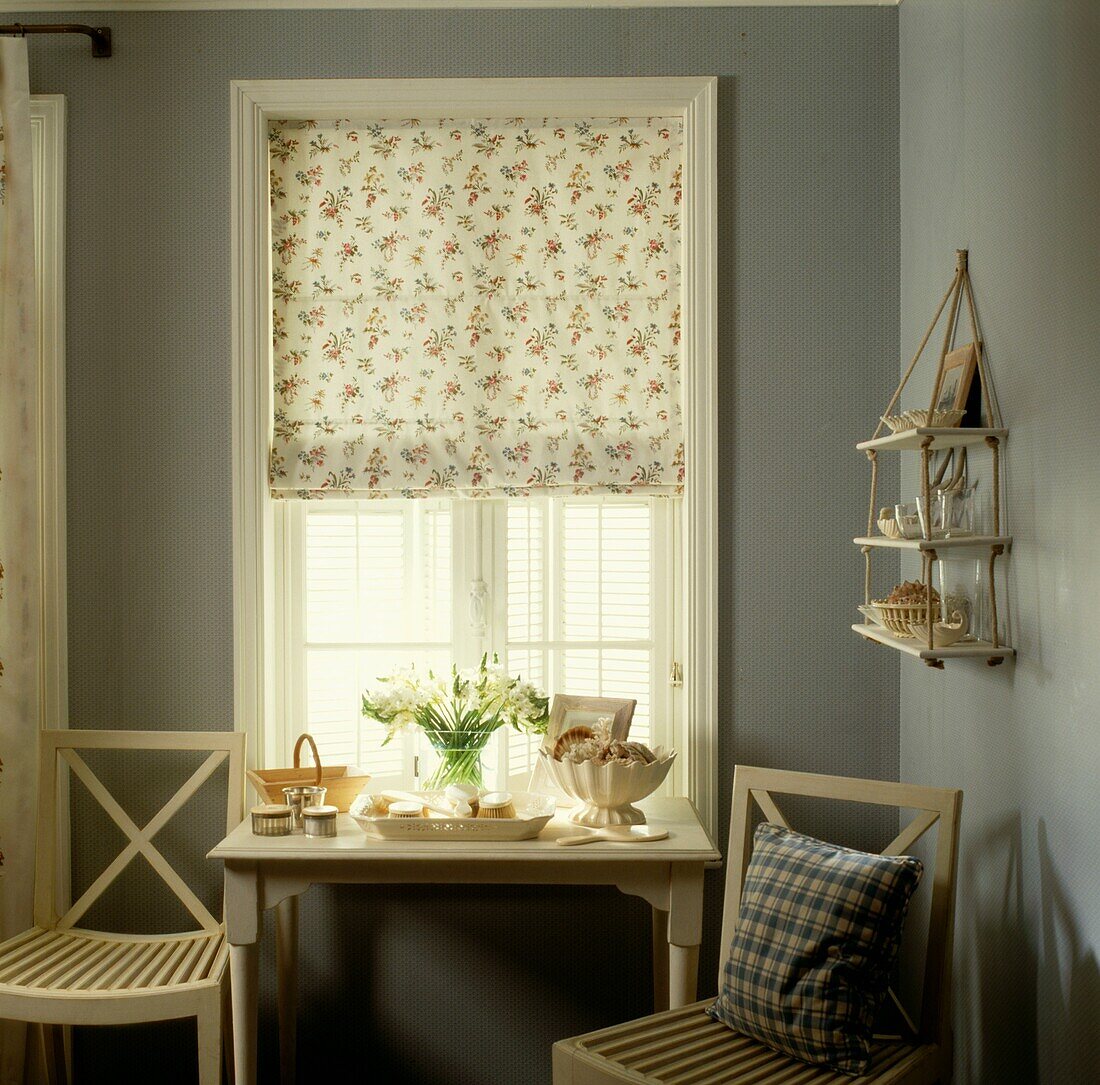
(48, 129)
(252, 104)
(918, 648)
(267, 872)
(687, 1045)
(58, 974)
(942, 437)
(962, 542)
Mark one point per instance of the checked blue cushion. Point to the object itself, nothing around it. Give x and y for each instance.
(816, 939)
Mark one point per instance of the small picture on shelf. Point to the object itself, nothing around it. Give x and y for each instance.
(959, 368)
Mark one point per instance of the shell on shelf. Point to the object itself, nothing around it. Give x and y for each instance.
(944, 634)
(922, 417)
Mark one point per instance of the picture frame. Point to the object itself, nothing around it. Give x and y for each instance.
(569, 710)
(959, 367)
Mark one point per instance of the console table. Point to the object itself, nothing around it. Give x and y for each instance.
(272, 872)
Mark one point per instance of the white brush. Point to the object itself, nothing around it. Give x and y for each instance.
(617, 834)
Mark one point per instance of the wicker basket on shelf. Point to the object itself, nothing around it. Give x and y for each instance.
(900, 618)
(342, 788)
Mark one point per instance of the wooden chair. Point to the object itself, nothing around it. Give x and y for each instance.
(58, 974)
(687, 1047)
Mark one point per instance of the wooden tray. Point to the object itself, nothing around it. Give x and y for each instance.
(534, 812)
(342, 788)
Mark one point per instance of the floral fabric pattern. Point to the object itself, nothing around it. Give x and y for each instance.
(482, 307)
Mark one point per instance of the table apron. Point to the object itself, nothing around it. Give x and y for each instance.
(252, 887)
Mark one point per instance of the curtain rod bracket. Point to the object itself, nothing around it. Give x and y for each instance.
(101, 41)
(100, 35)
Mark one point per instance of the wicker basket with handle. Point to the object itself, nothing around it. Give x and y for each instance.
(342, 788)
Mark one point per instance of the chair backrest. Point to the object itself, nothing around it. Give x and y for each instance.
(63, 747)
(933, 805)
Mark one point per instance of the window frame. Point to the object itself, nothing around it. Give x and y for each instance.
(479, 553)
(253, 103)
(48, 149)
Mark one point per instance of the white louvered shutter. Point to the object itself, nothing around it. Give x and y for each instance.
(583, 599)
(607, 598)
(377, 595)
(581, 591)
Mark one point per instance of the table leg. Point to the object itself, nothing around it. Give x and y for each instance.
(244, 968)
(286, 970)
(683, 970)
(685, 932)
(660, 960)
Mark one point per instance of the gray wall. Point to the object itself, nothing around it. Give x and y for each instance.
(1000, 142)
(471, 985)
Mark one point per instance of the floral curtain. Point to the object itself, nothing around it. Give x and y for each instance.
(19, 564)
(483, 307)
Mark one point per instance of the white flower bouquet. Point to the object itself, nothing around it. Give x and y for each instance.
(457, 713)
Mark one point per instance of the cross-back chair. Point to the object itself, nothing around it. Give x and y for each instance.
(688, 1047)
(58, 973)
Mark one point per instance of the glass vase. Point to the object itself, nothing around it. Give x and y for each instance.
(459, 761)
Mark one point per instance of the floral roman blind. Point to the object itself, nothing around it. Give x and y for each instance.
(483, 307)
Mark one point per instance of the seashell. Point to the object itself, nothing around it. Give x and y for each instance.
(944, 634)
(569, 738)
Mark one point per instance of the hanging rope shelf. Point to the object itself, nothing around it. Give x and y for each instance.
(914, 626)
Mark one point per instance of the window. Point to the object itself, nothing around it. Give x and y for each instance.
(579, 597)
(587, 627)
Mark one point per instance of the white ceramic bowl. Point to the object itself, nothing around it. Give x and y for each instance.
(606, 792)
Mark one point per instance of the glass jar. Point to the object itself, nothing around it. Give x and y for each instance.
(957, 512)
(458, 760)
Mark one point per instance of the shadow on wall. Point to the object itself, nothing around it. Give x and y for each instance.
(995, 988)
(1008, 988)
(1068, 985)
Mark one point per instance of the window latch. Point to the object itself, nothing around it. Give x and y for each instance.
(479, 606)
(676, 675)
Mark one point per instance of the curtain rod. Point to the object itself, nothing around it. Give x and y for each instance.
(100, 35)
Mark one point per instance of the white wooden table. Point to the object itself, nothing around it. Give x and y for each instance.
(272, 872)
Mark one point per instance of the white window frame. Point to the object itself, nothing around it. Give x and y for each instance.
(253, 104)
(48, 171)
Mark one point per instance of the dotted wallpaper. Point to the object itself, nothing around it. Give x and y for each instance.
(470, 986)
(1000, 139)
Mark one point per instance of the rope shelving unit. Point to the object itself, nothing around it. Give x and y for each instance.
(927, 440)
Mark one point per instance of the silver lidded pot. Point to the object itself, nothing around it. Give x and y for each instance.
(272, 819)
(319, 820)
(301, 796)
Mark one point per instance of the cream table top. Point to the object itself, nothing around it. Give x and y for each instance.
(687, 841)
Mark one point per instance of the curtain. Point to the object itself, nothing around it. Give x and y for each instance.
(482, 307)
(20, 601)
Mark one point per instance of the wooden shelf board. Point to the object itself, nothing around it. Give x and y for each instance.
(943, 437)
(958, 543)
(981, 649)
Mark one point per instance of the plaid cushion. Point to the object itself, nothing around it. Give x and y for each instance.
(816, 939)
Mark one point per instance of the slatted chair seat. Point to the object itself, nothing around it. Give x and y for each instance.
(50, 961)
(685, 1046)
(688, 1047)
(57, 974)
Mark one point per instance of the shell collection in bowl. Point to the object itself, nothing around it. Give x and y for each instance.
(606, 776)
